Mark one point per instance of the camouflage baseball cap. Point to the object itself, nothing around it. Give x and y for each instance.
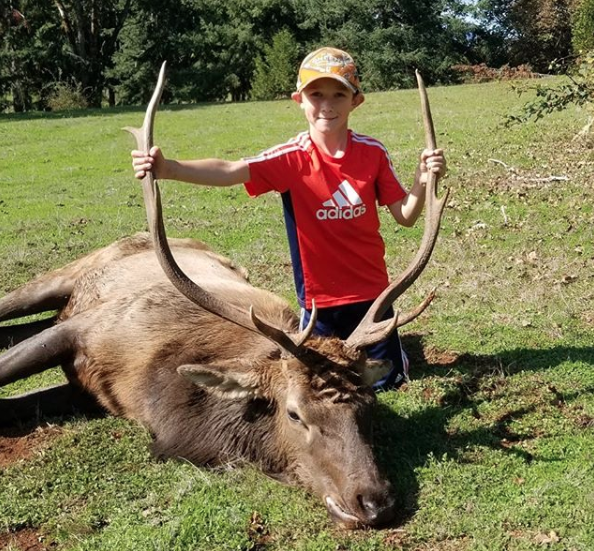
(329, 63)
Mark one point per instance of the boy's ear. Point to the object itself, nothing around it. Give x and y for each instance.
(296, 96)
(358, 99)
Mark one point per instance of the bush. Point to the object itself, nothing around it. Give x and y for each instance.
(65, 97)
(578, 90)
(483, 73)
(583, 27)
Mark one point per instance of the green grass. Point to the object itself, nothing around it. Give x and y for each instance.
(491, 446)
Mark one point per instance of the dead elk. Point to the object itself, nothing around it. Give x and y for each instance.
(217, 372)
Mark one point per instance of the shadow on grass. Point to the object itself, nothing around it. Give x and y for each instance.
(405, 444)
(22, 414)
(105, 112)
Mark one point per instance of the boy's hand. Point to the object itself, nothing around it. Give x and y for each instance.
(153, 162)
(432, 161)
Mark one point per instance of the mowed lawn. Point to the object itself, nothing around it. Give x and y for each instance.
(491, 445)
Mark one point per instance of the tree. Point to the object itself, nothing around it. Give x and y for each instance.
(390, 38)
(274, 75)
(578, 88)
(531, 32)
(211, 46)
(92, 28)
(223, 50)
(12, 26)
(31, 58)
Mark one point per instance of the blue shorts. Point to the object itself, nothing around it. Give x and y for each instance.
(341, 321)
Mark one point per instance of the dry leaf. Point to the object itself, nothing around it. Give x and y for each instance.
(547, 539)
(569, 278)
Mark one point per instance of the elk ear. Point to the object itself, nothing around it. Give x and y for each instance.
(227, 383)
(374, 371)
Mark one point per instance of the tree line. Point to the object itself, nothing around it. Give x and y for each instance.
(64, 53)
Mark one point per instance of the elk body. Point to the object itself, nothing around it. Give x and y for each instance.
(213, 367)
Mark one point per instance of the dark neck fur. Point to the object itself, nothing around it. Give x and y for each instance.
(209, 430)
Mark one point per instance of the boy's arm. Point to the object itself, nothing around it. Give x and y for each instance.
(208, 172)
(407, 210)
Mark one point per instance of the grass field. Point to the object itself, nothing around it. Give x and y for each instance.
(490, 446)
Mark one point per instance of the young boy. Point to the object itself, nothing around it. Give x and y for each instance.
(330, 180)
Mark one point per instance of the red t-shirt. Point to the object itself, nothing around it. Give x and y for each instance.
(331, 214)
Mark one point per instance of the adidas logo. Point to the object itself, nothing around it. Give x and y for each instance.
(345, 204)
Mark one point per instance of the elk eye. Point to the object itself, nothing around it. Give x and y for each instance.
(293, 416)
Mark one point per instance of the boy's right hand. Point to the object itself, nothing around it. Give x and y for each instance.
(143, 163)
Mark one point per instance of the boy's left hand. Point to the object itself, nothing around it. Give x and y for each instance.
(432, 160)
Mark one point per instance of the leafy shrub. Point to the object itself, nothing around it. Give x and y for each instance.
(577, 90)
(583, 26)
(65, 97)
(484, 73)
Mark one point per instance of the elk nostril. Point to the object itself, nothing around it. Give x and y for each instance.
(376, 511)
(368, 506)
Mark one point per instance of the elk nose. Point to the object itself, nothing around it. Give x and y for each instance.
(377, 510)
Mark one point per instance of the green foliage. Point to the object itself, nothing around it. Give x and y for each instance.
(532, 32)
(89, 33)
(577, 90)
(65, 97)
(390, 40)
(211, 48)
(275, 71)
(583, 26)
(221, 50)
(31, 56)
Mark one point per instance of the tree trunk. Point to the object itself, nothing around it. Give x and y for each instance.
(21, 100)
(92, 47)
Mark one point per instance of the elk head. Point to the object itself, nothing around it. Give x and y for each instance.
(312, 420)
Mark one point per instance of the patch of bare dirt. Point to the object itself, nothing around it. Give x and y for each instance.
(588, 317)
(399, 539)
(439, 357)
(258, 533)
(25, 540)
(17, 443)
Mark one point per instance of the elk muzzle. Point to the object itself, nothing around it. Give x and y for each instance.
(369, 507)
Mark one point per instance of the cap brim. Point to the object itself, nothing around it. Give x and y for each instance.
(340, 79)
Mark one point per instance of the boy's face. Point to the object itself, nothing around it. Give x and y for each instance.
(327, 104)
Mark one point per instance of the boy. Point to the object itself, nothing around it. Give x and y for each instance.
(330, 180)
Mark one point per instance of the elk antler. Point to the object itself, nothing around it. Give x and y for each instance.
(371, 330)
(152, 200)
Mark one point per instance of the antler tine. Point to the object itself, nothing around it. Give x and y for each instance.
(291, 344)
(403, 319)
(308, 331)
(430, 141)
(371, 330)
(198, 295)
(144, 142)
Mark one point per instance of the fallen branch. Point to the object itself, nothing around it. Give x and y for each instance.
(507, 167)
(514, 171)
(545, 179)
